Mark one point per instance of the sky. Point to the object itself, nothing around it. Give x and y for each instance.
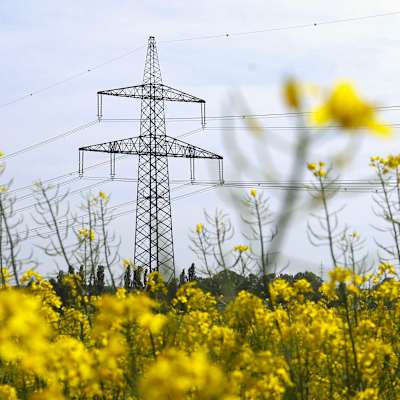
(44, 43)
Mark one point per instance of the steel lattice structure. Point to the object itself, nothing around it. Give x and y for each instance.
(154, 246)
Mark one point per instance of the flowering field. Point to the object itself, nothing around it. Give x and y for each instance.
(141, 346)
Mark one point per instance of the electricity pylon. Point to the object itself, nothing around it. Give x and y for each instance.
(154, 245)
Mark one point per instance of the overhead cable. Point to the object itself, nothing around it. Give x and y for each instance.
(225, 35)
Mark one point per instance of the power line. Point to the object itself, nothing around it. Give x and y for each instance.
(353, 186)
(284, 28)
(74, 174)
(65, 220)
(70, 78)
(225, 35)
(82, 190)
(393, 107)
(115, 216)
(211, 118)
(51, 139)
(339, 185)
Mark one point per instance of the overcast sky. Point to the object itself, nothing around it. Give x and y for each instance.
(44, 42)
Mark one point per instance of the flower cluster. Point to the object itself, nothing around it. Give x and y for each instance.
(384, 165)
(318, 170)
(84, 233)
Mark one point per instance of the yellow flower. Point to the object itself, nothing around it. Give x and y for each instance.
(302, 286)
(51, 393)
(340, 274)
(367, 394)
(291, 94)
(198, 378)
(311, 166)
(103, 196)
(84, 233)
(386, 267)
(241, 248)
(1, 154)
(317, 168)
(199, 228)
(345, 107)
(7, 391)
(153, 322)
(253, 193)
(280, 289)
(126, 262)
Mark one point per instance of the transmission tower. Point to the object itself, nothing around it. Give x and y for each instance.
(154, 245)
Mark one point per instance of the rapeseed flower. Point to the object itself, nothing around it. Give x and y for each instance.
(241, 248)
(317, 169)
(84, 233)
(386, 268)
(292, 94)
(199, 228)
(345, 107)
(127, 262)
(8, 392)
(193, 376)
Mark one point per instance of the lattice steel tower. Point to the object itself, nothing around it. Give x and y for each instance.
(154, 246)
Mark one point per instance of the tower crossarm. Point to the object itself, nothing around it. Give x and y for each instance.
(161, 146)
(178, 148)
(156, 91)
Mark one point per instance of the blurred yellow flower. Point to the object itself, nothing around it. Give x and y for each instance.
(241, 248)
(126, 262)
(51, 393)
(194, 376)
(340, 274)
(7, 392)
(1, 154)
(317, 169)
(302, 286)
(291, 94)
(312, 166)
(153, 322)
(346, 108)
(199, 228)
(84, 233)
(386, 268)
(103, 196)
(253, 193)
